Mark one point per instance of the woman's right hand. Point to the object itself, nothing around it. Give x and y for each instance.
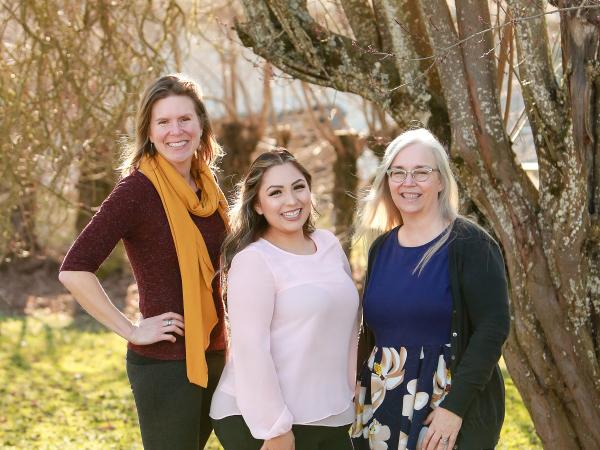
(157, 328)
(282, 442)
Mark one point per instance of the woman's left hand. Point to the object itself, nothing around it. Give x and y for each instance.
(443, 430)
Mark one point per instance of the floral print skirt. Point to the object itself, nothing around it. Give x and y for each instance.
(396, 390)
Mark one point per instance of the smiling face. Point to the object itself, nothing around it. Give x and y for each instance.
(415, 198)
(175, 130)
(284, 199)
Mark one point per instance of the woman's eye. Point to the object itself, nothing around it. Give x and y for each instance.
(299, 187)
(273, 193)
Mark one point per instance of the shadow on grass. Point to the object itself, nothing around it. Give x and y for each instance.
(50, 342)
(64, 385)
(49, 345)
(16, 358)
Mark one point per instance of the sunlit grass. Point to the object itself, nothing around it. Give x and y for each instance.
(63, 385)
(518, 431)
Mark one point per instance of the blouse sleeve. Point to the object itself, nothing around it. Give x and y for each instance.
(251, 302)
(345, 261)
(115, 218)
(353, 350)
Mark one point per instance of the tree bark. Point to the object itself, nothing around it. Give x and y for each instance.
(95, 182)
(345, 184)
(550, 236)
(24, 243)
(239, 139)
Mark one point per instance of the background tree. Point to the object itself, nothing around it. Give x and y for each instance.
(239, 133)
(348, 145)
(70, 74)
(447, 64)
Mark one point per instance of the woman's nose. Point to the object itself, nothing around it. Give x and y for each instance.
(175, 128)
(290, 199)
(409, 176)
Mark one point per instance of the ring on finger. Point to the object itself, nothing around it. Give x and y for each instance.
(444, 440)
(168, 322)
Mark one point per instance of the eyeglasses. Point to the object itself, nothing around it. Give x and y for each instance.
(419, 174)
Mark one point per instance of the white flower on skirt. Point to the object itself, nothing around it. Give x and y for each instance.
(403, 441)
(363, 413)
(413, 400)
(378, 435)
(387, 374)
(441, 382)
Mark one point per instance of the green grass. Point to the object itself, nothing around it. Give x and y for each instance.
(63, 385)
(518, 431)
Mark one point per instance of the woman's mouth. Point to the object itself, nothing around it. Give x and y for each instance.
(410, 195)
(292, 215)
(176, 144)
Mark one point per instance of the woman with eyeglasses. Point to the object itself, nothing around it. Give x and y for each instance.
(435, 310)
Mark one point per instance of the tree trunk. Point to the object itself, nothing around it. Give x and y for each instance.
(24, 242)
(344, 187)
(239, 139)
(95, 183)
(551, 235)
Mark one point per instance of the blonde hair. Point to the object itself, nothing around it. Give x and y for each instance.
(378, 213)
(163, 87)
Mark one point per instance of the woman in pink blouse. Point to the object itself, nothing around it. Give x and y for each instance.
(292, 307)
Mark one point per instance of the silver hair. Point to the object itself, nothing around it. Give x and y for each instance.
(377, 212)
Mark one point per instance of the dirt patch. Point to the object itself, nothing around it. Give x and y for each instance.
(30, 285)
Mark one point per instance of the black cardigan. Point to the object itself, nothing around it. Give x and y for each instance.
(480, 325)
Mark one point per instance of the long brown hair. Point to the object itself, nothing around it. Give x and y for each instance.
(163, 87)
(246, 224)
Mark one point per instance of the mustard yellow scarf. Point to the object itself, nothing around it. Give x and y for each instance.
(197, 271)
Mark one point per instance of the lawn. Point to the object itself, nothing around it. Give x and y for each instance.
(63, 385)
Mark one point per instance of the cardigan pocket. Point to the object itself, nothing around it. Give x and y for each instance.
(483, 420)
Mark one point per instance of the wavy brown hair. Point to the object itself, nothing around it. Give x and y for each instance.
(246, 224)
(163, 87)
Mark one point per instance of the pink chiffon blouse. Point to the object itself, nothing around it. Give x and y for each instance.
(294, 335)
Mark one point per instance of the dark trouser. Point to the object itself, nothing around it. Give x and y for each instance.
(233, 433)
(173, 412)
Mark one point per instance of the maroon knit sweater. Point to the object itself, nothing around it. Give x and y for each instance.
(134, 212)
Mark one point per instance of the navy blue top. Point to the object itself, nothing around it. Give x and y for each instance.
(403, 309)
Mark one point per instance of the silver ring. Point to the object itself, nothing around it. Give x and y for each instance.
(168, 322)
(444, 441)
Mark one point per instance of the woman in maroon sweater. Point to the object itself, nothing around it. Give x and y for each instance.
(174, 139)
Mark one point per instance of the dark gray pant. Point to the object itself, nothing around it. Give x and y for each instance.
(173, 412)
(233, 433)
